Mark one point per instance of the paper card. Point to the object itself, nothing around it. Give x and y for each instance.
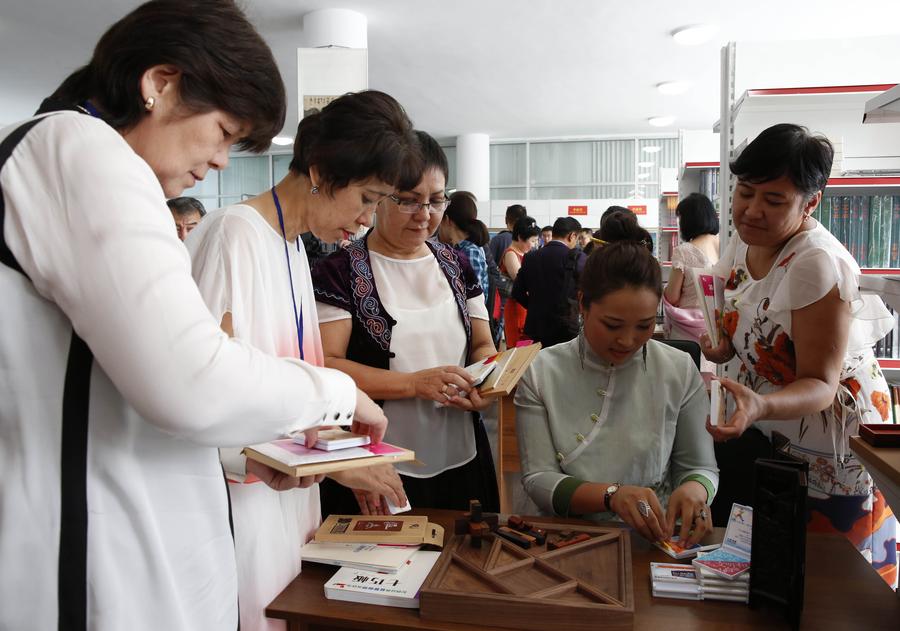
(723, 563)
(739, 532)
(332, 439)
(673, 572)
(716, 403)
(674, 549)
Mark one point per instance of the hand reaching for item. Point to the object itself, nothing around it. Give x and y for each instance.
(718, 354)
(688, 502)
(370, 485)
(368, 418)
(639, 507)
(749, 407)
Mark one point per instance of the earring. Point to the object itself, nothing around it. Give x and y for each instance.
(314, 190)
(149, 103)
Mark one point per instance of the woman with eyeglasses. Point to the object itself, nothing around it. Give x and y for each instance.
(402, 315)
(254, 276)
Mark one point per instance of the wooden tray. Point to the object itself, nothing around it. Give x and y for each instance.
(877, 435)
(581, 587)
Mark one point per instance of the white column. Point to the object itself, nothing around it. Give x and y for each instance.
(473, 165)
(335, 27)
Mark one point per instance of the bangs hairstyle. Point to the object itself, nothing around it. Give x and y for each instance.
(358, 136)
(432, 157)
(787, 149)
(696, 216)
(225, 65)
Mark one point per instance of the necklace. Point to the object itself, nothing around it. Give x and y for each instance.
(298, 313)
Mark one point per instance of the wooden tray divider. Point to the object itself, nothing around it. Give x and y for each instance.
(593, 541)
(556, 590)
(600, 595)
(477, 571)
(511, 567)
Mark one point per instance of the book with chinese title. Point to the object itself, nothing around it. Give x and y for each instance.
(393, 590)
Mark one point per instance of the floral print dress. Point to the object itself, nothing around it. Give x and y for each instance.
(757, 318)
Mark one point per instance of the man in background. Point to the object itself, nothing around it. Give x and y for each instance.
(546, 235)
(187, 213)
(584, 237)
(547, 285)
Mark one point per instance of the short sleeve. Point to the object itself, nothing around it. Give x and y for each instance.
(330, 313)
(331, 281)
(477, 308)
(678, 261)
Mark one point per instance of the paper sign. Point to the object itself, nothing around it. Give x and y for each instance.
(583, 210)
(638, 210)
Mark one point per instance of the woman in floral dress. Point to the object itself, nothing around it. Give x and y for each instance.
(794, 316)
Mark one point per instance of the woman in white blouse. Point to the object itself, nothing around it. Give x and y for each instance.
(402, 315)
(255, 278)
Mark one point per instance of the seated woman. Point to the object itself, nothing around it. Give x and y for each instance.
(255, 279)
(402, 314)
(525, 234)
(612, 422)
(461, 229)
(698, 224)
(794, 316)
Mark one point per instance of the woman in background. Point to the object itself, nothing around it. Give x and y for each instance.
(525, 235)
(698, 224)
(461, 229)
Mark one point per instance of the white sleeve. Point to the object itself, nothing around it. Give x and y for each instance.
(477, 307)
(330, 313)
(87, 221)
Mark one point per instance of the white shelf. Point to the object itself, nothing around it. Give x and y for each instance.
(884, 108)
(888, 289)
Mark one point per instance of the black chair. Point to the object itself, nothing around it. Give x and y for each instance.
(688, 346)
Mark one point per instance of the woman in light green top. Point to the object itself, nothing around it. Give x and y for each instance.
(613, 422)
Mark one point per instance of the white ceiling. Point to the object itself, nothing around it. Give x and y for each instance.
(508, 68)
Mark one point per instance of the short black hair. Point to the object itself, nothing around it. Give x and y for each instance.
(787, 149)
(696, 216)
(514, 212)
(564, 226)
(625, 262)
(355, 137)
(463, 211)
(614, 209)
(186, 206)
(433, 157)
(225, 65)
(546, 228)
(525, 228)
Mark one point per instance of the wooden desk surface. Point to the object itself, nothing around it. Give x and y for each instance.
(842, 592)
(885, 459)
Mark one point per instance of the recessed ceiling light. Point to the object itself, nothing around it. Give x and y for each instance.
(661, 121)
(282, 140)
(643, 176)
(673, 87)
(694, 34)
(651, 149)
(644, 165)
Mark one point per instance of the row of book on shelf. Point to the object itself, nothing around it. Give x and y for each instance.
(867, 225)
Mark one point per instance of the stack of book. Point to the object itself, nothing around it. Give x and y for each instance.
(674, 580)
(867, 225)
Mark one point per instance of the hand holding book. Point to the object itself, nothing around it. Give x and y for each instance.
(749, 407)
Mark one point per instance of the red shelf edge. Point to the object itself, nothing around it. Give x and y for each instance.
(864, 181)
(885, 271)
(701, 165)
(834, 89)
(888, 363)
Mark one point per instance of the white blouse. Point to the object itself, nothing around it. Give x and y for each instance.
(428, 333)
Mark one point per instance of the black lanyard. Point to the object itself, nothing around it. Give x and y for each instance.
(298, 314)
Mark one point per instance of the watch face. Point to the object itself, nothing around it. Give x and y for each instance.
(612, 489)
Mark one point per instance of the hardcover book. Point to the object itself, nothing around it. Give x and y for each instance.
(711, 292)
(391, 590)
(372, 557)
(296, 460)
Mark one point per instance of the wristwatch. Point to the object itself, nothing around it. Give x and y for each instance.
(607, 497)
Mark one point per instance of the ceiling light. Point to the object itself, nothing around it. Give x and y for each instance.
(651, 149)
(673, 87)
(643, 176)
(661, 121)
(645, 165)
(694, 34)
(282, 141)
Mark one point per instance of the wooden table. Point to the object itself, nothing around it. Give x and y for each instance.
(842, 592)
(883, 464)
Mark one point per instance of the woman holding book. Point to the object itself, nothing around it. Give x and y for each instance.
(794, 316)
(612, 422)
(698, 224)
(525, 233)
(255, 279)
(402, 315)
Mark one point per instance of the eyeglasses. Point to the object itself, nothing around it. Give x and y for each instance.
(411, 206)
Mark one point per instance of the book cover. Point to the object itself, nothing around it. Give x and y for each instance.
(674, 549)
(392, 590)
(511, 365)
(716, 403)
(862, 236)
(733, 558)
(825, 215)
(876, 239)
(887, 243)
(895, 229)
(332, 439)
(845, 221)
(362, 556)
(853, 227)
(711, 292)
(401, 529)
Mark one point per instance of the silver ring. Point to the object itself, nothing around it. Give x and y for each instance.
(444, 389)
(702, 514)
(644, 508)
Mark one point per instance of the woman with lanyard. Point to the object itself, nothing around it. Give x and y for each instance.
(255, 278)
(117, 384)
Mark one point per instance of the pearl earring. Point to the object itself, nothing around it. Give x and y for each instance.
(149, 103)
